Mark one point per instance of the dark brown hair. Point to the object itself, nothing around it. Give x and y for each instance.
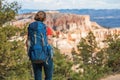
(40, 16)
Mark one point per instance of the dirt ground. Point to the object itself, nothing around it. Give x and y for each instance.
(112, 77)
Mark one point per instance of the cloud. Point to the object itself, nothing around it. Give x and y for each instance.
(63, 4)
(43, 1)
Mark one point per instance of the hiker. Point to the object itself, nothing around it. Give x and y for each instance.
(40, 51)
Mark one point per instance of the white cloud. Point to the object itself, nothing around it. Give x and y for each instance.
(43, 1)
(61, 4)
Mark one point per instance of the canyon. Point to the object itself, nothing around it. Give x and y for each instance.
(68, 29)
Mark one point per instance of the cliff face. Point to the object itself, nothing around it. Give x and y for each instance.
(69, 29)
(72, 28)
(61, 22)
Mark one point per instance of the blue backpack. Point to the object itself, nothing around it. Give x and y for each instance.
(38, 48)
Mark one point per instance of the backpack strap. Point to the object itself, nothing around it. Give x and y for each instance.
(35, 36)
(42, 37)
(43, 42)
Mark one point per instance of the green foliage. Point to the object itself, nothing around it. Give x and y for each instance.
(7, 11)
(14, 63)
(62, 66)
(87, 47)
(90, 59)
(13, 59)
(97, 62)
(23, 30)
(113, 52)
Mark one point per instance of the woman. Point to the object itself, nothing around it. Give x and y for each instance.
(40, 17)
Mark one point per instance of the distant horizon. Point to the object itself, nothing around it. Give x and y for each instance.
(22, 11)
(73, 9)
(68, 9)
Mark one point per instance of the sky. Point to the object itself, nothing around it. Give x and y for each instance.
(68, 4)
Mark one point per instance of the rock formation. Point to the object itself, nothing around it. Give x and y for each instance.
(69, 29)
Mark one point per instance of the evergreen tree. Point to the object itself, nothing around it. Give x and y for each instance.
(13, 59)
(7, 11)
(62, 66)
(91, 58)
(14, 64)
(87, 47)
(113, 52)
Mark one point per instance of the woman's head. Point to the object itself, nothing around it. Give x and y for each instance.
(40, 16)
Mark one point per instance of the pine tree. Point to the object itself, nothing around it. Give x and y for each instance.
(13, 57)
(87, 47)
(7, 11)
(91, 58)
(62, 66)
(113, 52)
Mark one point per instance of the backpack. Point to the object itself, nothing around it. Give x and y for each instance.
(37, 43)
